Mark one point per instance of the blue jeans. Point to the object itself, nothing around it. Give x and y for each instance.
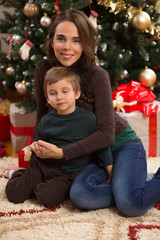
(129, 189)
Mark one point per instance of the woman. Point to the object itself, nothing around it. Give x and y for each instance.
(71, 42)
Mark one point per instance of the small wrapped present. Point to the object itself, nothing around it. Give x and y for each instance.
(22, 127)
(2, 152)
(146, 128)
(4, 119)
(4, 106)
(4, 127)
(24, 157)
(132, 96)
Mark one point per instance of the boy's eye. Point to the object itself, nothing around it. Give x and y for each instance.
(52, 93)
(65, 91)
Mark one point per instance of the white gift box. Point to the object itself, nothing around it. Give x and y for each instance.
(146, 128)
(22, 127)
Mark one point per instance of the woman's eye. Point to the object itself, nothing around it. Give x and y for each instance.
(76, 40)
(60, 38)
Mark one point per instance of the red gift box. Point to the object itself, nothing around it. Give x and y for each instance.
(24, 157)
(129, 100)
(130, 97)
(4, 127)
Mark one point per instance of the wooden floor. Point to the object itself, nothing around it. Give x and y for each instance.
(9, 149)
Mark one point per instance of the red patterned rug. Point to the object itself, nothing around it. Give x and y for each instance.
(32, 221)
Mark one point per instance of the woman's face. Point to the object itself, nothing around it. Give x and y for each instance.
(66, 43)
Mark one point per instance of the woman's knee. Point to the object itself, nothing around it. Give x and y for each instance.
(87, 198)
(129, 207)
(77, 196)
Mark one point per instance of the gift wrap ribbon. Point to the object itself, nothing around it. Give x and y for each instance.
(22, 131)
(153, 135)
(143, 95)
(27, 153)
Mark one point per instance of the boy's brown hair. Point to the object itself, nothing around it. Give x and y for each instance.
(56, 74)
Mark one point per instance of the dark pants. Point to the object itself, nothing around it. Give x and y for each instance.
(49, 185)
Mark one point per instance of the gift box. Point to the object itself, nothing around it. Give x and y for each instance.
(127, 101)
(4, 119)
(131, 97)
(22, 127)
(146, 128)
(4, 127)
(24, 157)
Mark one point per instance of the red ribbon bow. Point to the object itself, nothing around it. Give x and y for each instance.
(141, 95)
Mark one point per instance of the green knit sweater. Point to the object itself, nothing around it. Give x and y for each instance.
(63, 130)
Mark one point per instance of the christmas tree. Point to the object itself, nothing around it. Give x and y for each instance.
(129, 41)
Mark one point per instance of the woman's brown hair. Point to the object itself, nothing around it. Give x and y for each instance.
(88, 35)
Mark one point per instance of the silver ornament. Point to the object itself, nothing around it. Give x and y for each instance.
(16, 38)
(21, 88)
(45, 21)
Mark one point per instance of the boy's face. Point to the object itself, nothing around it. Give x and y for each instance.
(61, 96)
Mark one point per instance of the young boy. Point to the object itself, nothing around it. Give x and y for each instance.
(50, 179)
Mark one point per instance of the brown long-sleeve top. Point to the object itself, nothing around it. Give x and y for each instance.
(96, 96)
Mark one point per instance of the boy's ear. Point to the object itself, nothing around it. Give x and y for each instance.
(78, 94)
(48, 101)
(46, 97)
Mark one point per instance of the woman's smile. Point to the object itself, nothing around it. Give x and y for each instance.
(66, 43)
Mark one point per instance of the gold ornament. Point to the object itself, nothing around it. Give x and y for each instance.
(31, 9)
(141, 20)
(45, 20)
(10, 70)
(21, 87)
(147, 77)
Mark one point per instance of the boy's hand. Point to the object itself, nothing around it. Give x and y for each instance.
(109, 171)
(46, 150)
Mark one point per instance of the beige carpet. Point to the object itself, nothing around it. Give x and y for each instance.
(30, 221)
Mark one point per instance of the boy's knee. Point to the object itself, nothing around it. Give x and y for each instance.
(45, 197)
(12, 196)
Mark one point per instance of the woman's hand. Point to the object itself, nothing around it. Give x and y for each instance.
(46, 150)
